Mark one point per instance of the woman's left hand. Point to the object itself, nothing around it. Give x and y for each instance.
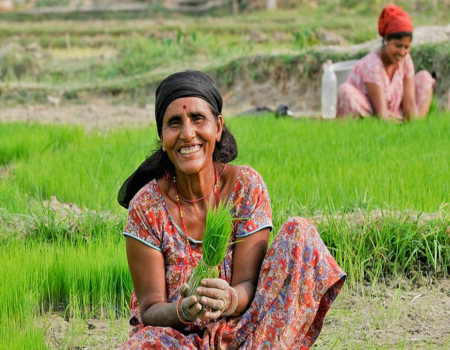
(214, 296)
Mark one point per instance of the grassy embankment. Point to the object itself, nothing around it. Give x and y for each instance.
(124, 59)
(77, 263)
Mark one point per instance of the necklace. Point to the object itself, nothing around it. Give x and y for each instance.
(216, 185)
(178, 196)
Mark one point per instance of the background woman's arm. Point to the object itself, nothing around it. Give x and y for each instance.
(409, 105)
(377, 99)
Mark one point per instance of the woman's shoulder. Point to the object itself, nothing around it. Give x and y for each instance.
(251, 200)
(368, 70)
(248, 181)
(148, 195)
(371, 59)
(248, 174)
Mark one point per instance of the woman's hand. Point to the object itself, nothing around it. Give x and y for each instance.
(214, 296)
(394, 118)
(191, 308)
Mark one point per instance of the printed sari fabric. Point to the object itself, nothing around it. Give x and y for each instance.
(352, 96)
(298, 281)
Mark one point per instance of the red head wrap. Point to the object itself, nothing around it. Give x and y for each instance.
(394, 20)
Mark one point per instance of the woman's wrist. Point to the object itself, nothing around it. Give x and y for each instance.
(233, 302)
(181, 314)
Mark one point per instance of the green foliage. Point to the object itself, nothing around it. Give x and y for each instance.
(370, 6)
(306, 38)
(18, 63)
(217, 234)
(214, 245)
(334, 159)
(82, 275)
(388, 247)
(353, 162)
(131, 57)
(434, 59)
(76, 261)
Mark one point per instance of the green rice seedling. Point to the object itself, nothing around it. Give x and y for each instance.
(215, 242)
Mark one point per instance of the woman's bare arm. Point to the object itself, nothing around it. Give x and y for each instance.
(249, 253)
(149, 283)
(409, 105)
(377, 99)
(148, 274)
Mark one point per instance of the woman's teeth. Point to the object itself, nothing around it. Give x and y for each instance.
(189, 150)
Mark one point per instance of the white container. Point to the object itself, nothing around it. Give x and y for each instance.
(342, 70)
(329, 91)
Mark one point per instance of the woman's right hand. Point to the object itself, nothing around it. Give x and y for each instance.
(191, 307)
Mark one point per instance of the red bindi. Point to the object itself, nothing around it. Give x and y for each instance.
(184, 107)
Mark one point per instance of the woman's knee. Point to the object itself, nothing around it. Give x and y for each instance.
(345, 91)
(351, 101)
(424, 78)
(300, 227)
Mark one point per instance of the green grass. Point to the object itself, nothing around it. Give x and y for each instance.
(77, 263)
(218, 228)
(346, 164)
(308, 165)
(82, 275)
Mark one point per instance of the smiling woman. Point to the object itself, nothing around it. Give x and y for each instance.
(190, 132)
(274, 298)
(383, 82)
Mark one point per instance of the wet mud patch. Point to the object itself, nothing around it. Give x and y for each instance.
(407, 317)
(377, 317)
(99, 115)
(64, 333)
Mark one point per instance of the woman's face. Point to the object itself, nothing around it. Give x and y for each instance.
(397, 49)
(189, 134)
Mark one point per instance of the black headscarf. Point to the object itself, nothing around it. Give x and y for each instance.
(189, 83)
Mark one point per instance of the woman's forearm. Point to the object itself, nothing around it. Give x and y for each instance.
(410, 111)
(166, 315)
(162, 315)
(245, 294)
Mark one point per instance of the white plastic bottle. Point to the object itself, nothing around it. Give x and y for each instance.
(329, 91)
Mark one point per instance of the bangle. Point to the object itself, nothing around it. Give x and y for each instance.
(233, 303)
(180, 313)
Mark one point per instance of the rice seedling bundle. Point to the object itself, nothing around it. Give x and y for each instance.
(215, 241)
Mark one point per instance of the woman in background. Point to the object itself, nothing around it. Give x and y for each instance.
(383, 82)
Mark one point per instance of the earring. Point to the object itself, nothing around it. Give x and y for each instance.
(163, 149)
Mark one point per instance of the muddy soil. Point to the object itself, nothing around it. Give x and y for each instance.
(388, 318)
(98, 114)
(379, 317)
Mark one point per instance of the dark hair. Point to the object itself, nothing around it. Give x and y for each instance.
(399, 35)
